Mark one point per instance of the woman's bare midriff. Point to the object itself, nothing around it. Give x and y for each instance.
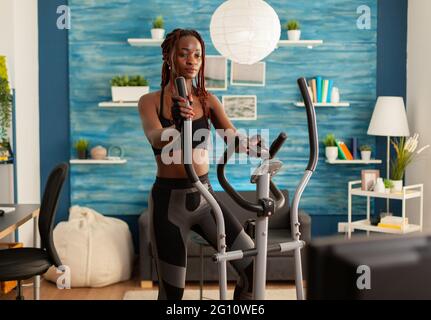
(200, 164)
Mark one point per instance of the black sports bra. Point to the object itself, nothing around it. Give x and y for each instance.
(197, 124)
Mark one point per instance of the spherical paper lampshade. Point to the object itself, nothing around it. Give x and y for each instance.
(245, 31)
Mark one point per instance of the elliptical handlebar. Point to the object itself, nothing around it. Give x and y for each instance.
(248, 205)
(312, 125)
(276, 144)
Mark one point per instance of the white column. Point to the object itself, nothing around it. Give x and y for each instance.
(7, 49)
(418, 99)
(24, 65)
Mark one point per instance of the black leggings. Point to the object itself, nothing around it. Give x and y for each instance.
(175, 208)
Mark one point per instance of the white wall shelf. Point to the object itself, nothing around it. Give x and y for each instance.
(90, 161)
(300, 43)
(111, 104)
(329, 105)
(358, 161)
(143, 42)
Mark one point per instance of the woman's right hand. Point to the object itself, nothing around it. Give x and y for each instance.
(184, 109)
(181, 110)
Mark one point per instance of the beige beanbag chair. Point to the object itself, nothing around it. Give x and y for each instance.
(97, 250)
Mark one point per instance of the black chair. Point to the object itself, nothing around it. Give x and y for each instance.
(24, 263)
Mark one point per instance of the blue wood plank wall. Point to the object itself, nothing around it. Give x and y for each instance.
(98, 50)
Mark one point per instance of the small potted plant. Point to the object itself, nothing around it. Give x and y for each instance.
(158, 31)
(331, 150)
(365, 152)
(406, 152)
(388, 185)
(81, 147)
(125, 88)
(293, 30)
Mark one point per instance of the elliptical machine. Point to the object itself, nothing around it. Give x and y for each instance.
(264, 205)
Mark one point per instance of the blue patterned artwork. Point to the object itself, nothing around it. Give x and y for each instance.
(98, 50)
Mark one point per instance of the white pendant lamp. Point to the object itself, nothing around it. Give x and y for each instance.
(245, 31)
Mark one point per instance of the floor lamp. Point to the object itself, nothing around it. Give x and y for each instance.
(389, 120)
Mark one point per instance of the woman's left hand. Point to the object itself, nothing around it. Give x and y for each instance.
(253, 146)
(256, 146)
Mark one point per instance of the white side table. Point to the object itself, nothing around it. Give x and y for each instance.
(409, 192)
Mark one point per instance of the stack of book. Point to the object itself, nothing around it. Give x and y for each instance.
(391, 222)
(321, 89)
(343, 151)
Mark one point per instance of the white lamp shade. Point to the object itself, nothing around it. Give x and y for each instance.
(245, 31)
(389, 118)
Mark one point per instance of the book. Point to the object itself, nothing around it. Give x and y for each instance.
(394, 220)
(330, 85)
(345, 152)
(390, 226)
(314, 88)
(310, 91)
(341, 154)
(319, 88)
(354, 146)
(325, 91)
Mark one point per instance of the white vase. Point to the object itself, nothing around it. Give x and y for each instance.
(366, 155)
(398, 186)
(157, 33)
(387, 190)
(331, 153)
(380, 186)
(294, 35)
(132, 94)
(335, 95)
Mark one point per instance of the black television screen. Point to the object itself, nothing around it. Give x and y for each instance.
(379, 267)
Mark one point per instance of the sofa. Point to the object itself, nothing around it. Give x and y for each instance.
(280, 266)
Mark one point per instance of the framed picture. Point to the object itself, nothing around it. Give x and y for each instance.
(215, 73)
(369, 179)
(240, 107)
(248, 75)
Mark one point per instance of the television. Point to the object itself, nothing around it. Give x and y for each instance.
(367, 268)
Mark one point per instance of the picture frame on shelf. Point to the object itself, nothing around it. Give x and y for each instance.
(215, 73)
(240, 107)
(369, 179)
(253, 75)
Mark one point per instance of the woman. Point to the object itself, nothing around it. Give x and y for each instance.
(175, 207)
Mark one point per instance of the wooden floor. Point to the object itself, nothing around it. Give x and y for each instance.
(49, 291)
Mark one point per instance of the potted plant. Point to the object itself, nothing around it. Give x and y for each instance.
(158, 31)
(5, 102)
(331, 150)
(365, 152)
(81, 147)
(406, 153)
(125, 88)
(293, 30)
(388, 185)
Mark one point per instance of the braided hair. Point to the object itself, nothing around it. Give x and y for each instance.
(169, 51)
